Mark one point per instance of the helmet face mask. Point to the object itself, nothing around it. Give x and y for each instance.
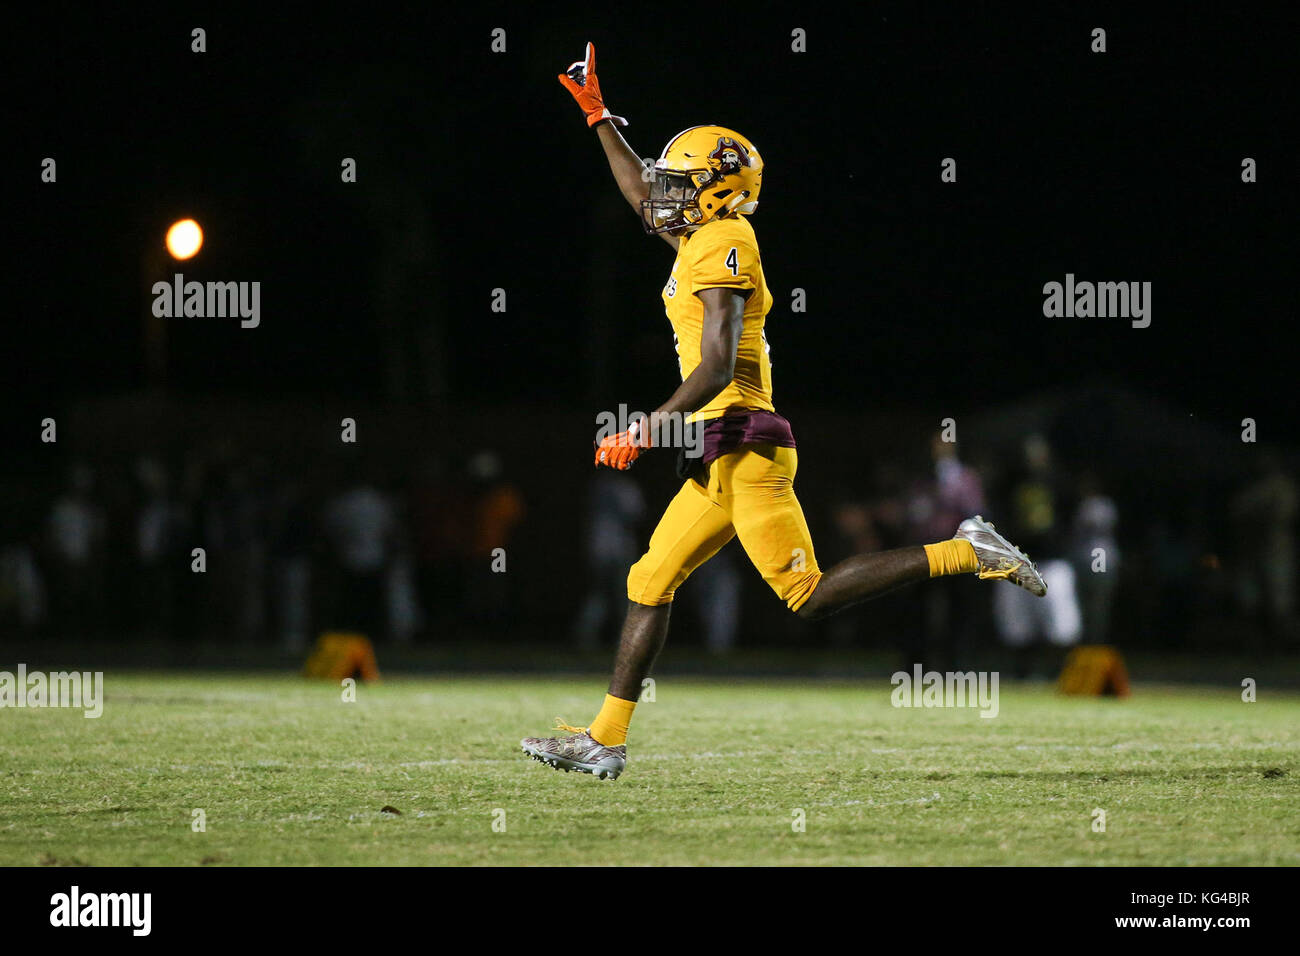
(673, 206)
(704, 173)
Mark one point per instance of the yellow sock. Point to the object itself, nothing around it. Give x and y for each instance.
(610, 726)
(951, 557)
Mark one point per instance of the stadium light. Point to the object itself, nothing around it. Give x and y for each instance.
(184, 239)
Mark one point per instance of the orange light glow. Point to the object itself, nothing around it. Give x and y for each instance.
(184, 239)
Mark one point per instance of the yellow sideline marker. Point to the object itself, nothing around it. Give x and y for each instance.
(340, 654)
(1094, 670)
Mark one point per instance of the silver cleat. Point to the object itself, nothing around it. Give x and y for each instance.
(999, 558)
(577, 752)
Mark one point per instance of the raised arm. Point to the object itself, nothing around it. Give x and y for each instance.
(580, 80)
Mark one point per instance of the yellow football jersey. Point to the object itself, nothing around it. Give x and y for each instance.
(722, 253)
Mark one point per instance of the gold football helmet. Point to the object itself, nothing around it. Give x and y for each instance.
(704, 173)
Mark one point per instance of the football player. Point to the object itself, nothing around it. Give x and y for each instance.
(704, 186)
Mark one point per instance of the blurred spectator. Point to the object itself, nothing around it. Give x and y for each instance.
(247, 525)
(218, 536)
(291, 569)
(110, 551)
(360, 527)
(856, 526)
(1034, 626)
(715, 590)
(405, 618)
(1096, 557)
(496, 508)
(952, 492)
(1170, 550)
(936, 505)
(75, 534)
(22, 590)
(438, 519)
(856, 532)
(615, 509)
(1263, 516)
(401, 591)
(159, 527)
(877, 522)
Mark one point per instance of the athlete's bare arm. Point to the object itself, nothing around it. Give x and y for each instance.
(724, 315)
(627, 169)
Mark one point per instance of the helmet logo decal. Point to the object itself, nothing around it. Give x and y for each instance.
(730, 155)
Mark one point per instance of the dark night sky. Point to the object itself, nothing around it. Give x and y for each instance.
(1121, 166)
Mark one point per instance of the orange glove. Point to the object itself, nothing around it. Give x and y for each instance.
(580, 80)
(619, 451)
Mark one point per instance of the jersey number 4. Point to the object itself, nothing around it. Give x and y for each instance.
(732, 262)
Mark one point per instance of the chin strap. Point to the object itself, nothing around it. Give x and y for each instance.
(740, 199)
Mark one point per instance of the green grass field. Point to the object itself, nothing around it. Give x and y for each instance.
(287, 773)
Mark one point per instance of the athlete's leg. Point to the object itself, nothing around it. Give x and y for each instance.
(644, 631)
(756, 485)
(691, 531)
(865, 576)
(976, 548)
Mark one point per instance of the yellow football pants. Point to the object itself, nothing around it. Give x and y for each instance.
(750, 495)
